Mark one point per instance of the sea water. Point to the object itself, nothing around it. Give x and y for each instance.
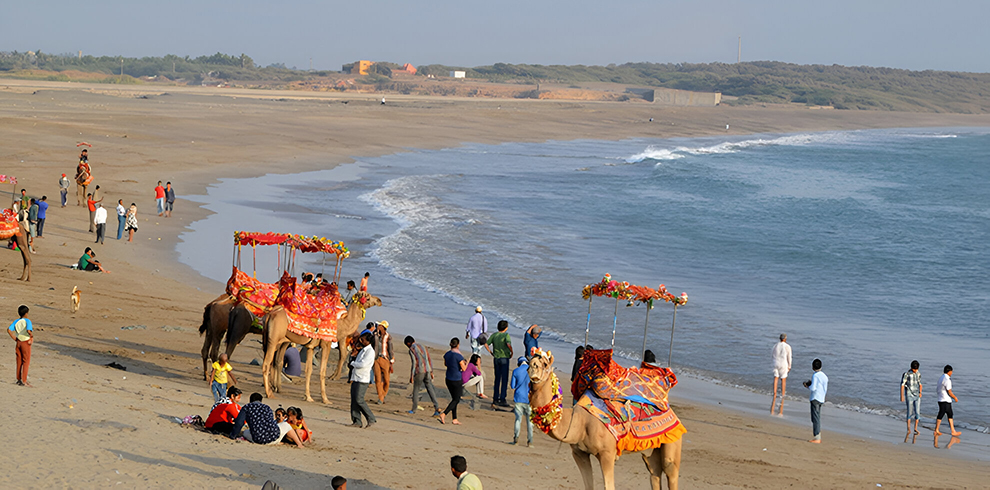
(869, 249)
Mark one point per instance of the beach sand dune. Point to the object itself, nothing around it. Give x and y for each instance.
(88, 425)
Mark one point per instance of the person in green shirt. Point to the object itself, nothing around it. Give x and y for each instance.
(88, 262)
(465, 480)
(500, 347)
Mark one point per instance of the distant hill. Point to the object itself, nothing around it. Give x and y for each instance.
(842, 87)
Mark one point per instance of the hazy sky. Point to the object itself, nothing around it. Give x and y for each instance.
(948, 35)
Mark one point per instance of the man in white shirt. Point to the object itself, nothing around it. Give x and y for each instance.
(100, 220)
(360, 379)
(781, 357)
(121, 218)
(945, 397)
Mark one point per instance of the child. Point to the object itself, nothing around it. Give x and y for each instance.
(945, 397)
(22, 332)
(221, 371)
(279, 415)
(295, 419)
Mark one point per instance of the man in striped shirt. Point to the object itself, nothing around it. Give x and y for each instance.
(421, 374)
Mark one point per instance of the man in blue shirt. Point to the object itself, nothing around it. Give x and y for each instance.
(520, 397)
(42, 213)
(818, 386)
(532, 340)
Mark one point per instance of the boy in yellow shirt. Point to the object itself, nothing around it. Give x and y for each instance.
(221, 371)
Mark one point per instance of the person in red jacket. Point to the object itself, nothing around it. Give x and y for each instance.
(221, 419)
(160, 198)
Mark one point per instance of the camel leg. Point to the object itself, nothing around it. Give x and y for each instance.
(344, 354)
(324, 358)
(266, 367)
(207, 343)
(22, 244)
(670, 462)
(607, 461)
(653, 466)
(583, 461)
(309, 371)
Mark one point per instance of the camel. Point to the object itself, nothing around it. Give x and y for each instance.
(22, 244)
(276, 334)
(588, 436)
(215, 318)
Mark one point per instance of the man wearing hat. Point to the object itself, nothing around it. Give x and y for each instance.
(520, 397)
(476, 327)
(384, 359)
(63, 188)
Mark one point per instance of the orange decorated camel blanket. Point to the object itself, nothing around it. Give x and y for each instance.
(255, 295)
(312, 311)
(8, 224)
(631, 402)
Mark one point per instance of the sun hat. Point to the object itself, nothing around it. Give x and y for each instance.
(384, 323)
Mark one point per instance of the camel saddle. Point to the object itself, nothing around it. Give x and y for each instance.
(312, 311)
(8, 224)
(258, 297)
(631, 402)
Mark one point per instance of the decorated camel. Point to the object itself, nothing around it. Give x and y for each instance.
(648, 426)
(215, 319)
(10, 227)
(277, 333)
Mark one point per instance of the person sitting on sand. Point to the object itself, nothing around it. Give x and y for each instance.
(221, 418)
(88, 262)
(262, 428)
(472, 376)
(280, 415)
(295, 419)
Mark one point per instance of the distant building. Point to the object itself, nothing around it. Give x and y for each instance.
(406, 69)
(359, 67)
(683, 98)
(457, 74)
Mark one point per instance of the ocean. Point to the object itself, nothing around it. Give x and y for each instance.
(869, 249)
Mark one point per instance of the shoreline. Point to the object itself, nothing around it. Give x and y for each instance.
(194, 142)
(712, 392)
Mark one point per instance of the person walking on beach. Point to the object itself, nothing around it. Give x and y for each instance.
(818, 386)
(42, 215)
(499, 345)
(477, 326)
(945, 398)
(160, 198)
(121, 218)
(22, 332)
(131, 222)
(364, 282)
(63, 188)
(100, 219)
(455, 364)
(169, 199)
(384, 359)
(520, 399)
(465, 480)
(911, 394)
(781, 357)
(531, 341)
(420, 374)
(360, 379)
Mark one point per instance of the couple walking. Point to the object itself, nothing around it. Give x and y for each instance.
(781, 356)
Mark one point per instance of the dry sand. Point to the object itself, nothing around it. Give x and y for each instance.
(86, 425)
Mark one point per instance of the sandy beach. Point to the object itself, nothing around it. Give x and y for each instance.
(86, 425)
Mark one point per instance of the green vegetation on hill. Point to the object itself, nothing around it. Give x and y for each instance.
(844, 87)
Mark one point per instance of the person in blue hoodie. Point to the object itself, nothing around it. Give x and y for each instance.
(520, 397)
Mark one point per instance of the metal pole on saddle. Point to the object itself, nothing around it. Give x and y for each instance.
(672, 323)
(646, 327)
(615, 320)
(588, 327)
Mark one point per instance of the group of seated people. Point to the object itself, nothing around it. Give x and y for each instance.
(265, 427)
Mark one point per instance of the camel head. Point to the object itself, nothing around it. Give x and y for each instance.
(540, 367)
(366, 300)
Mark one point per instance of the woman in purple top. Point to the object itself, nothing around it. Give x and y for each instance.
(454, 380)
(472, 376)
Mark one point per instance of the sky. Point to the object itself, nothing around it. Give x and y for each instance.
(908, 34)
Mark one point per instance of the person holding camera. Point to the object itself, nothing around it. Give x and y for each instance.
(818, 384)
